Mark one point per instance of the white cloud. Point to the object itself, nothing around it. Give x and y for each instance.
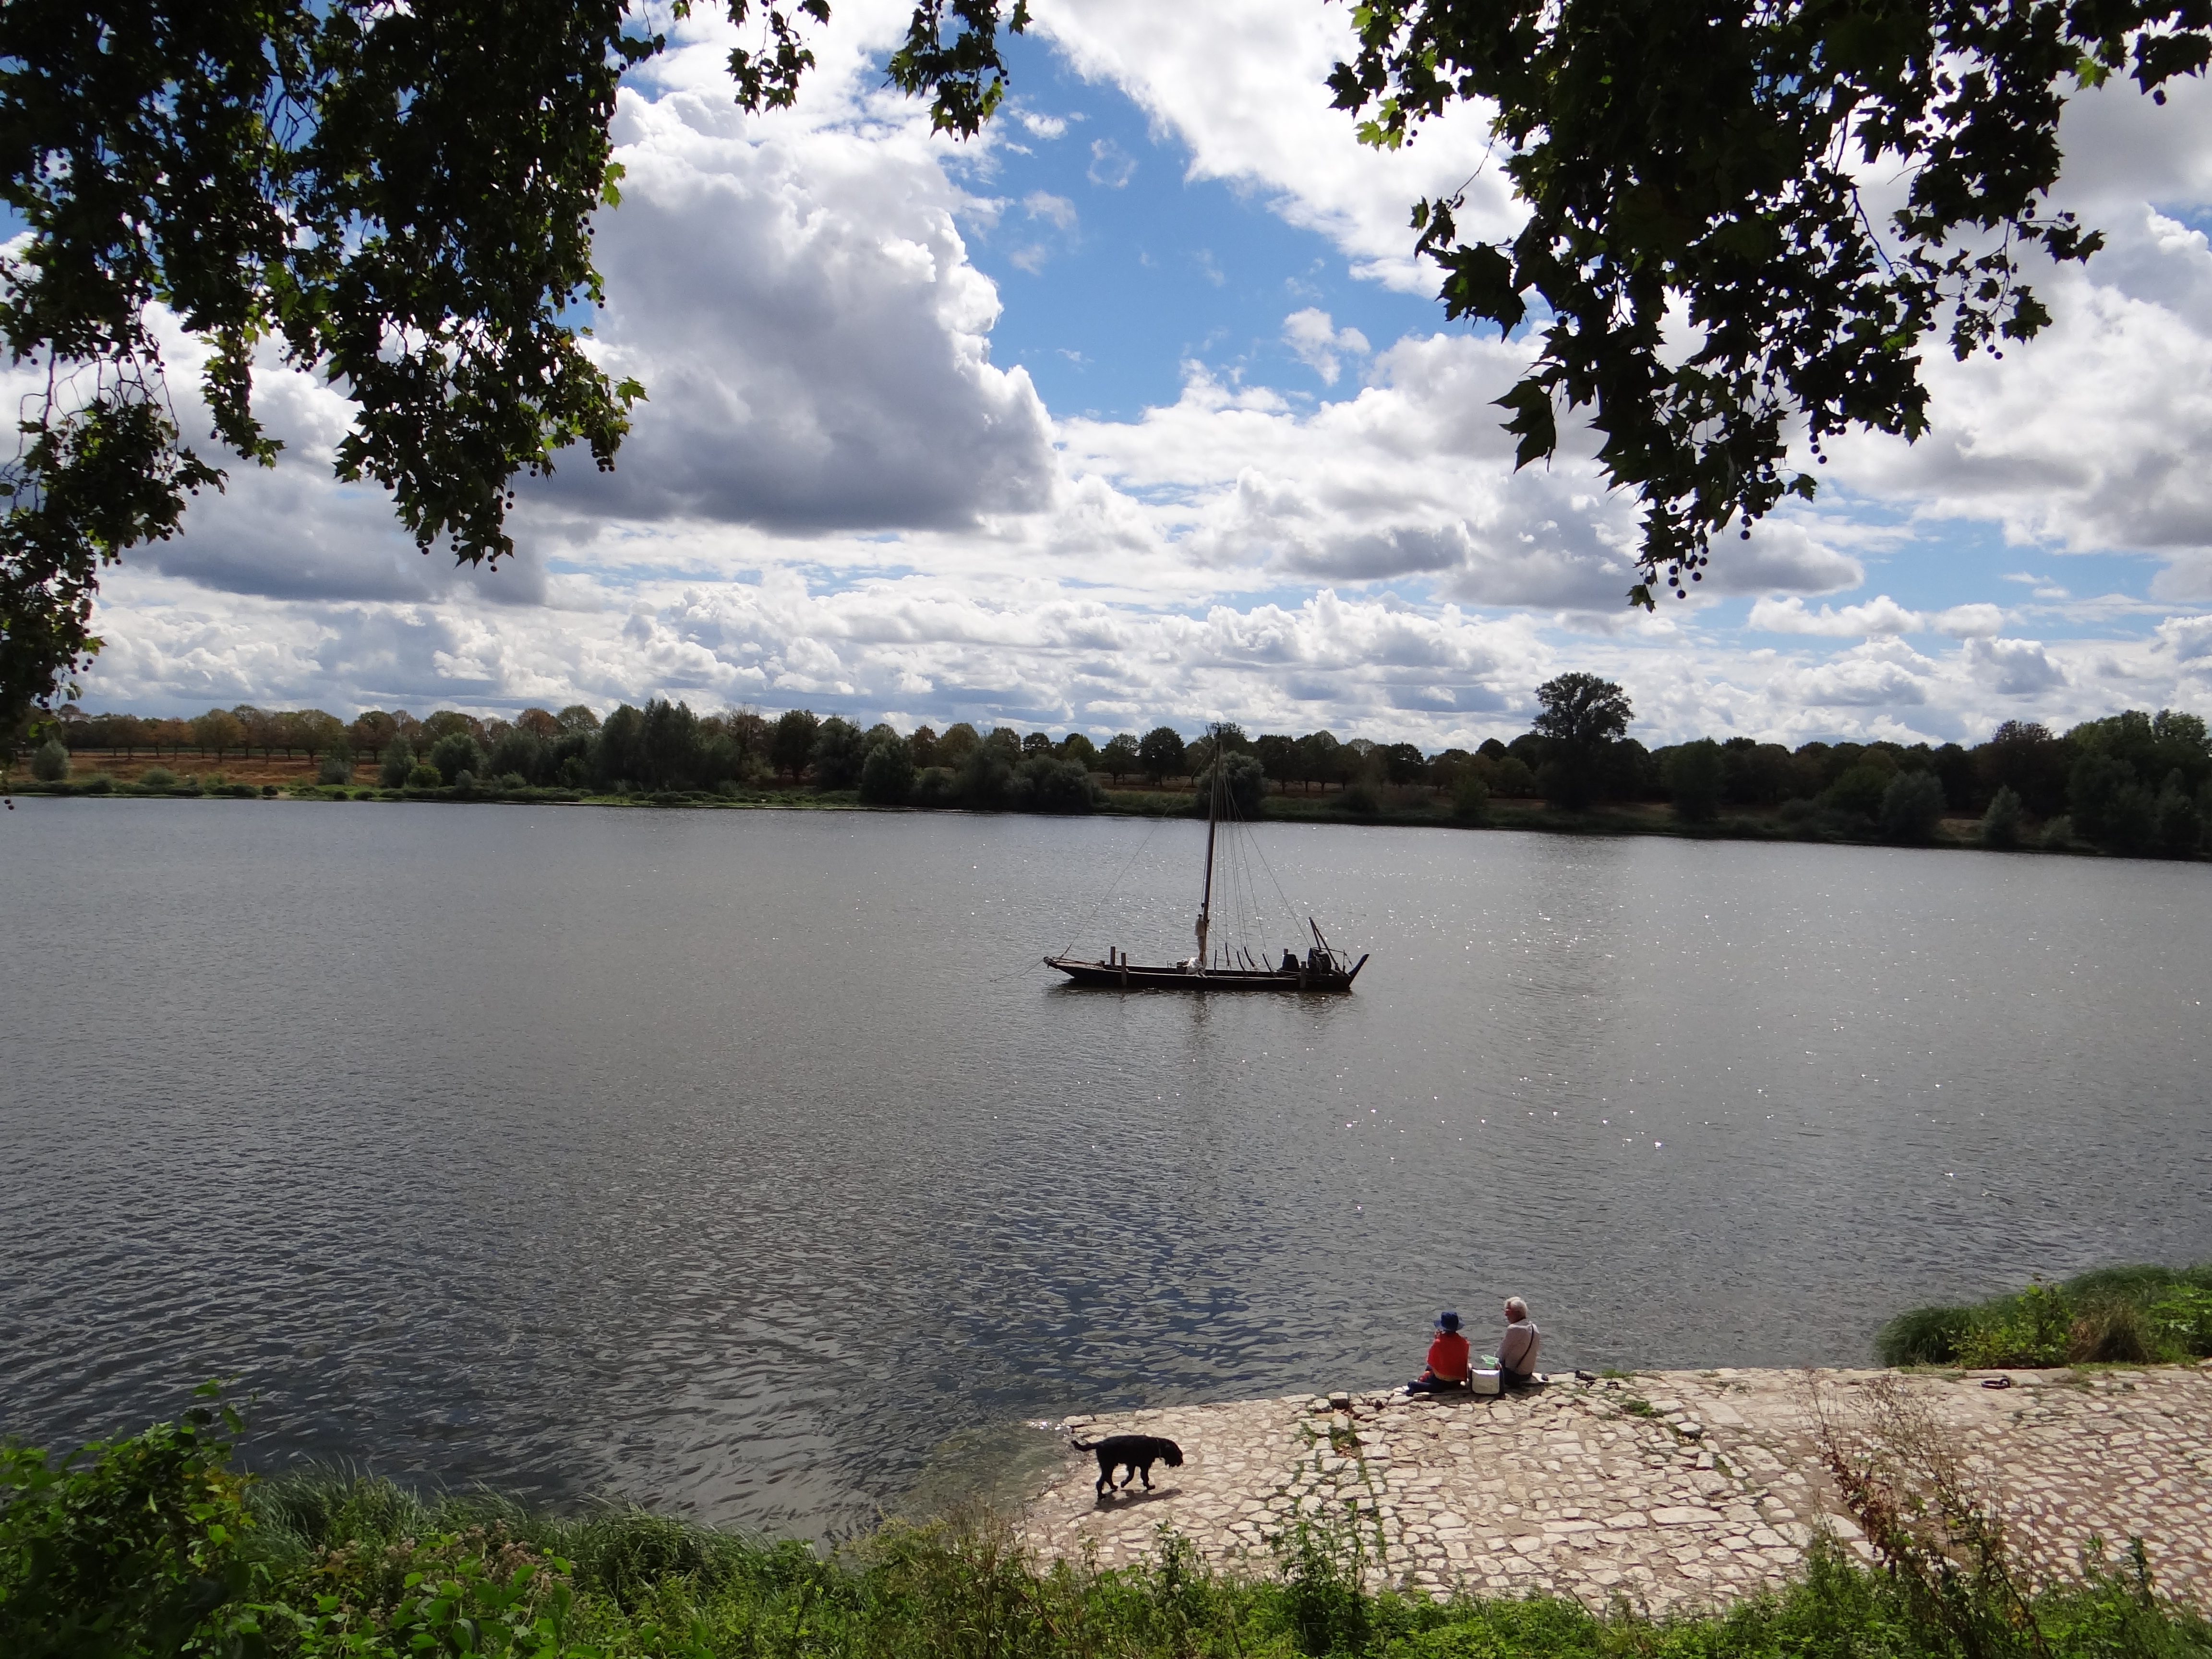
(1056, 211)
(1316, 340)
(1243, 84)
(2015, 668)
(815, 342)
(1862, 678)
(2186, 639)
(1110, 164)
(1782, 555)
(1412, 477)
(1879, 616)
(2088, 439)
(835, 497)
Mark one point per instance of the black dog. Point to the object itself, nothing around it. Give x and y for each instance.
(1137, 1453)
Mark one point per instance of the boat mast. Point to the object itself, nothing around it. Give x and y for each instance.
(1212, 813)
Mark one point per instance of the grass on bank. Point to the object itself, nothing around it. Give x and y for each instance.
(152, 1546)
(2139, 1314)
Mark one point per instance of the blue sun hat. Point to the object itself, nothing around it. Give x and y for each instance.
(1447, 1320)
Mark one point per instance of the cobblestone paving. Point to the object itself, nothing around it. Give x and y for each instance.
(1674, 1488)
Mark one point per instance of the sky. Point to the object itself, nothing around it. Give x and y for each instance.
(1136, 410)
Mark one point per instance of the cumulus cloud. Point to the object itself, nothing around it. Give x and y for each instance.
(2014, 668)
(1879, 616)
(1412, 477)
(815, 341)
(1243, 84)
(1873, 676)
(1782, 556)
(835, 498)
(2185, 639)
(911, 647)
(1315, 339)
(2090, 438)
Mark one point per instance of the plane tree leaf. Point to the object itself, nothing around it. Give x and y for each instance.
(1700, 262)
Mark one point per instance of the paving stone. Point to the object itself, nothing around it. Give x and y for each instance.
(1564, 1490)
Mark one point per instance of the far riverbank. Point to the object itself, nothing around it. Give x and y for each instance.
(1406, 808)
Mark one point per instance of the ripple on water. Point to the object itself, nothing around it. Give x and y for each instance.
(748, 1162)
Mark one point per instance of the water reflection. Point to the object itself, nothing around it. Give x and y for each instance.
(739, 1160)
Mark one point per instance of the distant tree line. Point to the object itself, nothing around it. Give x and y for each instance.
(2133, 782)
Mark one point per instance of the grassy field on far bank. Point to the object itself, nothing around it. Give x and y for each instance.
(1406, 808)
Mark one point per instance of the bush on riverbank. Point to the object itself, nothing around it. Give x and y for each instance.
(151, 1545)
(2130, 1315)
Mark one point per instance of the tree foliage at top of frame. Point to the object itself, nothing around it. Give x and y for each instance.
(1710, 157)
(397, 198)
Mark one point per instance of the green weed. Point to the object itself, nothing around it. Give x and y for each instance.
(151, 1546)
(2135, 1315)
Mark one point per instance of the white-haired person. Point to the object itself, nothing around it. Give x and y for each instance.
(1518, 1348)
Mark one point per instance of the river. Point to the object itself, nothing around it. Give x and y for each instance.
(736, 1161)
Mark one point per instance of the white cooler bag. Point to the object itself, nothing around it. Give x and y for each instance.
(1485, 1382)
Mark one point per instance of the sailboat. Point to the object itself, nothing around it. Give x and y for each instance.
(1213, 966)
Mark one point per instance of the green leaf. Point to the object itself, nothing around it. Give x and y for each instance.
(1532, 420)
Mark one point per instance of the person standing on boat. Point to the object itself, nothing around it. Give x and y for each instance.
(1517, 1349)
(1447, 1358)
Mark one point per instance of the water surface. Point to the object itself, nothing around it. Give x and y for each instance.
(734, 1160)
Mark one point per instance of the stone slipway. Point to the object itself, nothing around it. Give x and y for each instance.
(1714, 1493)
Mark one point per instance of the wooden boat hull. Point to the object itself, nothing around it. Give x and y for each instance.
(1127, 976)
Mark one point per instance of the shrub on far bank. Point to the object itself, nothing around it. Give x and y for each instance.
(423, 775)
(933, 786)
(1042, 784)
(157, 777)
(453, 754)
(2000, 823)
(49, 762)
(2176, 827)
(1911, 807)
(887, 774)
(1693, 780)
(336, 767)
(1471, 801)
(398, 761)
(1243, 783)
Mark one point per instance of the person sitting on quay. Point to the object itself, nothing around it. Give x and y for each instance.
(1448, 1359)
(1517, 1350)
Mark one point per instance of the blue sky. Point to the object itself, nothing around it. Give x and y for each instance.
(1136, 410)
(1157, 268)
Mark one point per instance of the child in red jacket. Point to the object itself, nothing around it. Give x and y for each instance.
(1448, 1359)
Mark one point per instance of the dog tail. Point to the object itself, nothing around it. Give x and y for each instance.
(1082, 1445)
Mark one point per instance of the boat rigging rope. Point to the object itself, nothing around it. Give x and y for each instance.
(1111, 886)
(1251, 903)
